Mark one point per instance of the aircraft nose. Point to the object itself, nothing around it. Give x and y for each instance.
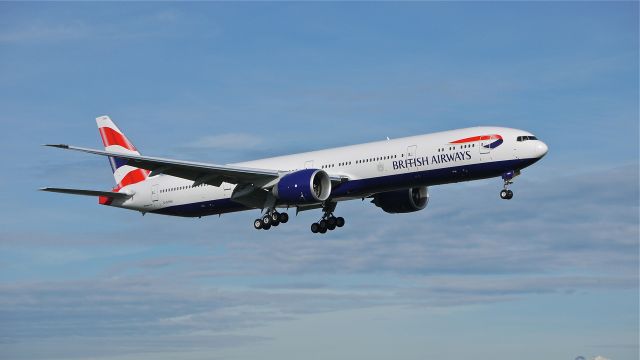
(541, 149)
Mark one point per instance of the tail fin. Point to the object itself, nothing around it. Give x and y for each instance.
(115, 141)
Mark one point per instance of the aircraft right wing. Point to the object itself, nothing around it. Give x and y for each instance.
(200, 173)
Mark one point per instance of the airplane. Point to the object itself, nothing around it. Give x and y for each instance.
(394, 173)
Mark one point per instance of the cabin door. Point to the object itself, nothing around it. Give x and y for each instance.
(155, 196)
(411, 158)
(484, 146)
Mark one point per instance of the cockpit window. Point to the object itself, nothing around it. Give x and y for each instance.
(525, 138)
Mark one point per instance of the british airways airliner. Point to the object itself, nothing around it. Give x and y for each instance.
(393, 173)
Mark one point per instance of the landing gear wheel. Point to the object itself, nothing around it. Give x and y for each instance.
(258, 224)
(275, 216)
(283, 218)
(504, 194)
(509, 194)
(331, 226)
(323, 225)
(323, 230)
(339, 221)
(331, 221)
(266, 226)
(266, 220)
(315, 227)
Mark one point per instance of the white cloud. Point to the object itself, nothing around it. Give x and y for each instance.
(45, 32)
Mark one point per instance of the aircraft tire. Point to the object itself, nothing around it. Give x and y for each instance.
(504, 194)
(257, 224)
(284, 217)
(339, 221)
(315, 227)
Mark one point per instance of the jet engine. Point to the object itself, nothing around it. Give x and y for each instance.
(303, 186)
(402, 201)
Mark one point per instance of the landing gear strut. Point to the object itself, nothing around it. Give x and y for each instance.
(270, 218)
(505, 193)
(328, 220)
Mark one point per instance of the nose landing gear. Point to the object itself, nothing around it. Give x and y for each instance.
(505, 193)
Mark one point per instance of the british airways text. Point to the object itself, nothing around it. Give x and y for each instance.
(435, 159)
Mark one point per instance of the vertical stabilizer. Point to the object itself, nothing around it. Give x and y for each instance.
(115, 141)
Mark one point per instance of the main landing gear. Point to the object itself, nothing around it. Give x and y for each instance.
(328, 221)
(271, 218)
(505, 193)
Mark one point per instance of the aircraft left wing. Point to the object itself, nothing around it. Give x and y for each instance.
(111, 194)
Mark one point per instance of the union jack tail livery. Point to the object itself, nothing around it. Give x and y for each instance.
(116, 142)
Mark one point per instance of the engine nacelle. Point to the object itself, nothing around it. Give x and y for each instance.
(303, 186)
(402, 201)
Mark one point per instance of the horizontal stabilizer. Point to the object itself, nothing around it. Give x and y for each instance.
(111, 194)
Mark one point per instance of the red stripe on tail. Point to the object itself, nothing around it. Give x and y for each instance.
(112, 137)
(133, 177)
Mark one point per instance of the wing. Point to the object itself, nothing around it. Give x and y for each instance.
(200, 173)
(110, 194)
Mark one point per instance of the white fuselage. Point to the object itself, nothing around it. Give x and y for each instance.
(371, 168)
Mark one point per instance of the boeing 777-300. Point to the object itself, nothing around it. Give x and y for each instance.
(394, 173)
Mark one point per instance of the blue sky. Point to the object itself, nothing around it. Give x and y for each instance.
(550, 274)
